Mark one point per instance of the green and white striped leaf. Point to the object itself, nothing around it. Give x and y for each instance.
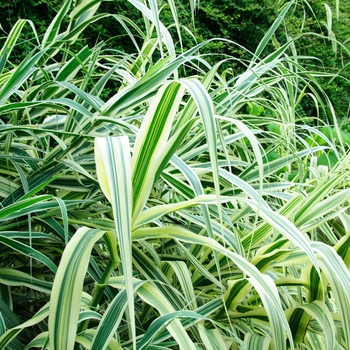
(28, 251)
(151, 214)
(53, 29)
(320, 312)
(67, 288)
(162, 322)
(113, 166)
(11, 277)
(151, 142)
(337, 275)
(12, 38)
(109, 322)
(86, 340)
(19, 75)
(254, 341)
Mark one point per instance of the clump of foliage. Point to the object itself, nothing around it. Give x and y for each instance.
(323, 28)
(187, 208)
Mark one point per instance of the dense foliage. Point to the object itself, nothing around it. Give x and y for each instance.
(156, 197)
(243, 22)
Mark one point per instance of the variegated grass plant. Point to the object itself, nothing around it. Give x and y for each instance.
(182, 212)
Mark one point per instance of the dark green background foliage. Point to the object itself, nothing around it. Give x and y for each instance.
(242, 23)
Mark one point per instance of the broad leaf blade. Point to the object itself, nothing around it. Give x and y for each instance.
(113, 165)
